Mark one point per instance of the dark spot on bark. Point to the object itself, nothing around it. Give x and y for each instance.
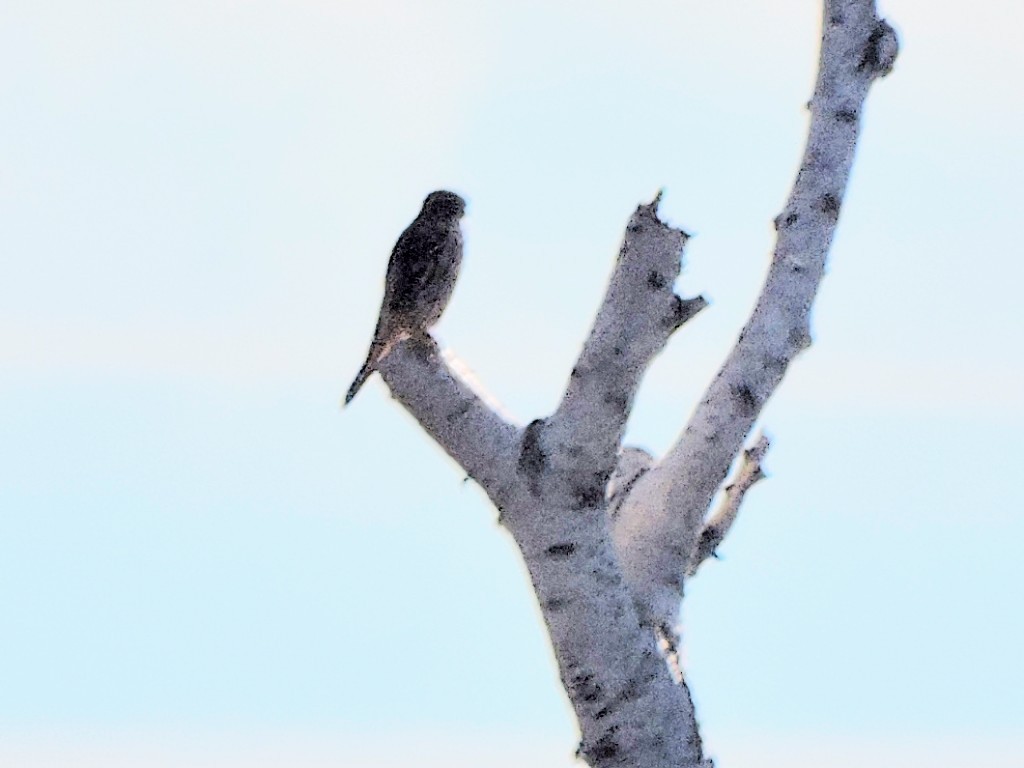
(776, 365)
(835, 19)
(617, 350)
(872, 58)
(785, 220)
(560, 551)
(555, 604)
(746, 399)
(616, 400)
(830, 205)
(532, 459)
(606, 748)
(458, 413)
(585, 687)
(846, 116)
(574, 450)
(656, 280)
(799, 338)
(575, 373)
(669, 579)
(583, 679)
(602, 713)
(796, 267)
(630, 693)
(588, 496)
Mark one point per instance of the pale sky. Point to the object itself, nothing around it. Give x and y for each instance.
(205, 562)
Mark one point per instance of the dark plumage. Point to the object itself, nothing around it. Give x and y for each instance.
(420, 279)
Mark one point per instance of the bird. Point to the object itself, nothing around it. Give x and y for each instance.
(420, 278)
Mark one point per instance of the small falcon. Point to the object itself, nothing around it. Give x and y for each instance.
(420, 278)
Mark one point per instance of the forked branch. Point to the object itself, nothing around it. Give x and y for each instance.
(658, 524)
(607, 560)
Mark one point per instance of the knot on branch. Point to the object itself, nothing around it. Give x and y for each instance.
(880, 51)
(533, 459)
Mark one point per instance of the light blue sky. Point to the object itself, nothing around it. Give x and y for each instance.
(204, 562)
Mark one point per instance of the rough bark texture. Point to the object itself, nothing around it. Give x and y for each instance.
(608, 533)
(657, 526)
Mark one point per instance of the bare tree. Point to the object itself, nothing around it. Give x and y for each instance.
(608, 533)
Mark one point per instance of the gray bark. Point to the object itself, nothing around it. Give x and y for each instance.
(608, 534)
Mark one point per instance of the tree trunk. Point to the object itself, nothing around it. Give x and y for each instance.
(608, 534)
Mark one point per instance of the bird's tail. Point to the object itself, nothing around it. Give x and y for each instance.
(361, 377)
(378, 349)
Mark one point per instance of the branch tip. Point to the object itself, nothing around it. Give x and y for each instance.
(757, 451)
(684, 309)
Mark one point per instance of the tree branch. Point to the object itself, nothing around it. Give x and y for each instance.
(629, 707)
(462, 423)
(718, 525)
(601, 595)
(639, 313)
(657, 525)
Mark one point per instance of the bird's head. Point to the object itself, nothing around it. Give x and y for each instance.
(444, 203)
